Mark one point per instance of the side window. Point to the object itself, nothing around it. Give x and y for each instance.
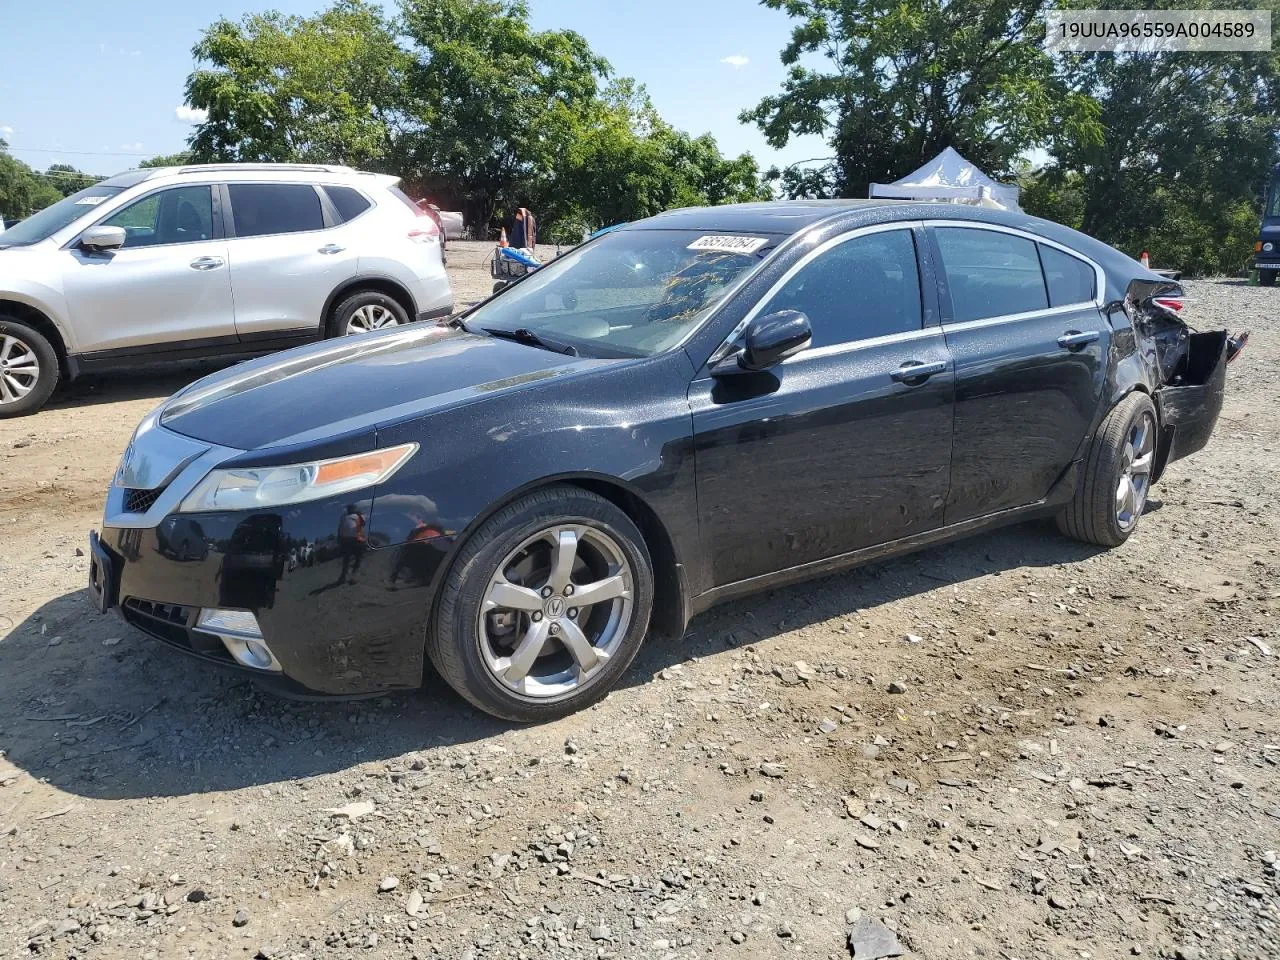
(1069, 279)
(348, 202)
(178, 215)
(865, 287)
(260, 209)
(990, 274)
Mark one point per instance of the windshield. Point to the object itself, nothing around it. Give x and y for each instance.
(42, 225)
(1273, 204)
(630, 293)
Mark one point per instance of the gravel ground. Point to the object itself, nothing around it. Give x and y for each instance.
(1014, 746)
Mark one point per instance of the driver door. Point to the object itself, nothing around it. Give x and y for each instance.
(167, 288)
(832, 450)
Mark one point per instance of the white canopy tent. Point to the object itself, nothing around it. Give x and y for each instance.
(949, 176)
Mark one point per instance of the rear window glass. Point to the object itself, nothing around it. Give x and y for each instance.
(348, 202)
(990, 274)
(1069, 279)
(265, 208)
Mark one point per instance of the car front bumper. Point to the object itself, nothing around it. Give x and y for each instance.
(340, 619)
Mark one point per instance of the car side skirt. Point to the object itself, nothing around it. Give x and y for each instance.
(1061, 492)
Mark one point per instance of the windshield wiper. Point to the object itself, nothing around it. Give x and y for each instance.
(526, 336)
(457, 323)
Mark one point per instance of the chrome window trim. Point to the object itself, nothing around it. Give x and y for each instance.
(730, 342)
(835, 349)
(1014, 317)
(1100, 275)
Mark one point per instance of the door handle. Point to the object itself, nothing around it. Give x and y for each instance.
(331, 248)
(206, 263)
(1074, 339)
(914, 372)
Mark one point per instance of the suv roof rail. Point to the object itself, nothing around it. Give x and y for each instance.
(300, 167)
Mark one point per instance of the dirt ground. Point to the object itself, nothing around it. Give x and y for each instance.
(1082, 763)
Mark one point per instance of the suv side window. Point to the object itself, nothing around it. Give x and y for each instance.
(348, 202)
(176, 215)
(990, 274)
(1069, 279)
(261, 209)
(868, 286)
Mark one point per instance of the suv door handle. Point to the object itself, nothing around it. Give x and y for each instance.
(914, 372)
(331, 248)
(206, 263)
(1074, 339)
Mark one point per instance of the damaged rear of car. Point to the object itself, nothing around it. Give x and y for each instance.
(1184, 370)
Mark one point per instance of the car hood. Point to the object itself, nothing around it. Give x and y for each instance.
(339, 387)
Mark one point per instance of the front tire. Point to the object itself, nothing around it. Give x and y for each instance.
(363, 311)
(29, 369)
(1117, 477)
(1267, 278)
(545, 607)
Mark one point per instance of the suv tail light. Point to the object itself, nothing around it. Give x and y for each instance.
(425, 230)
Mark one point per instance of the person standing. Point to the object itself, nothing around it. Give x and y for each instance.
(524, 230)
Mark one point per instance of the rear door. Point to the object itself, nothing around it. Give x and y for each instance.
(840, 446)
(284, 259)
(167, 288)
(1029, 342)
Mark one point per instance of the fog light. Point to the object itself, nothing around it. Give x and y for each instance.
(238, 630)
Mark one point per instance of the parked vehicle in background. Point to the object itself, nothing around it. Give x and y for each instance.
(211, 260)
(684, 410)
(1266, 253)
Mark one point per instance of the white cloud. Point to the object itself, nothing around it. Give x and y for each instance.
(190, 114)
(6, 131)
(736, 61)
(131, 147)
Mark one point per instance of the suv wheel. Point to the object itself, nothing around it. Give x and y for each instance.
(363, 311)
(28, 368)
(1267, 278)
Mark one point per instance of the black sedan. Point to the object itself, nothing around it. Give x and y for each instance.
(674, 414)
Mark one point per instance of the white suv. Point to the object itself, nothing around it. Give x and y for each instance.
(209, 260)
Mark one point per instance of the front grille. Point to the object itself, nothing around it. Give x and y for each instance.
(173, 624)
(140, 501)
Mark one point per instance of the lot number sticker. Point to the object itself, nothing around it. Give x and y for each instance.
(729, 244)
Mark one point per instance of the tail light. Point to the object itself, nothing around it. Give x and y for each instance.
(1173, 304)
(425, 231)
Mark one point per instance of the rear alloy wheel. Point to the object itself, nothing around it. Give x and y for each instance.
(365, 311)
(1117, 479)
(28, 368)
(546, 606)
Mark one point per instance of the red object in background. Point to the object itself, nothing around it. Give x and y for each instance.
(1145, 260)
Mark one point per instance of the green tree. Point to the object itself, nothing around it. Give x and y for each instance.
(315, 89)
(22, 190)
(890, 83)
(182, 158)
(67, 180)
(1188, 142)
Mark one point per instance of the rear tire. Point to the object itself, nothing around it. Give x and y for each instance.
(363, 311)
(1117, 476)
(29, 369)
(1267, 278)
(514, 632)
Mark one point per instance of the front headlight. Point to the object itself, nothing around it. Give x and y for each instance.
(251, 488)
(1268, 247)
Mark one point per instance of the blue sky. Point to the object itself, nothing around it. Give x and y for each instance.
(101, 87)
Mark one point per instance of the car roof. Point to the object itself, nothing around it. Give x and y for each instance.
(283, 172)
(772, 216)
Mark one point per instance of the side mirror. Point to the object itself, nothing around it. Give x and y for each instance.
(103, 238)
(767, 342)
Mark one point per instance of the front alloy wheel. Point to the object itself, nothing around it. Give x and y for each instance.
(29, 369)
(555, 611)
(19, 369)
(371, 316)
(545, 606)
